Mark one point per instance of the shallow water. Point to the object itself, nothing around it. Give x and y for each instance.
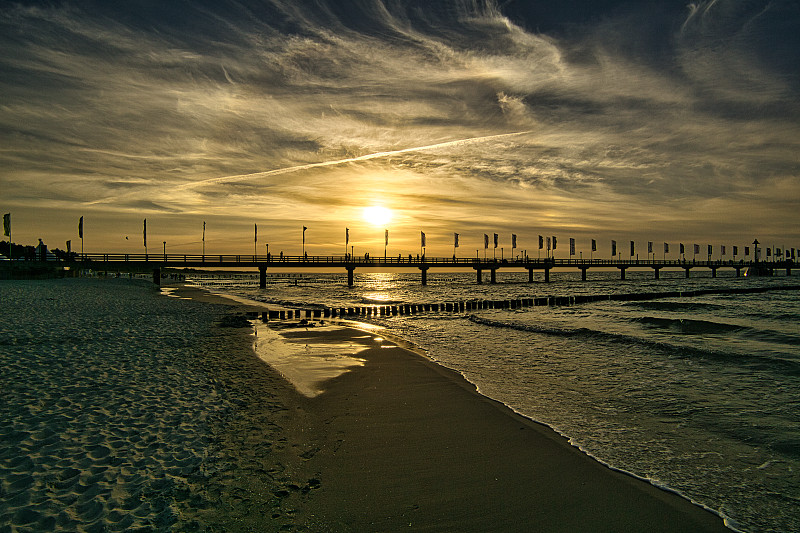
(700, 395)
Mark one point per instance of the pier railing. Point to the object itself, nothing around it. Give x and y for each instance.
(158, 261)
(414, 261)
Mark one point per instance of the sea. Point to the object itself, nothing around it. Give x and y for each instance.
(698, 395)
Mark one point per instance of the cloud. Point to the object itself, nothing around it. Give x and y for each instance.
(274, 110)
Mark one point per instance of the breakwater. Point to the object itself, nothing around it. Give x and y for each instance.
(464, 306)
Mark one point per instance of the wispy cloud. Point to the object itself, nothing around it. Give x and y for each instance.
(278, 112)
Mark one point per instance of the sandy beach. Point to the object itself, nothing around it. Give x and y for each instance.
(156, 416)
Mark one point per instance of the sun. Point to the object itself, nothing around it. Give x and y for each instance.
(377, 215)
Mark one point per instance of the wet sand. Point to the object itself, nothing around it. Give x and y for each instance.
(403, 443)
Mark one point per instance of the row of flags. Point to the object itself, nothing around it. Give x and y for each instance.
(549, 243)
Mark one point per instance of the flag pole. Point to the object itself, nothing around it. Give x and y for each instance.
(7, 231)
(80, 234)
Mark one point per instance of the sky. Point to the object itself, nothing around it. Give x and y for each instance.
(668, 121)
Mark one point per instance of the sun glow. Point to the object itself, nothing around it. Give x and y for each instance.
(377, 215)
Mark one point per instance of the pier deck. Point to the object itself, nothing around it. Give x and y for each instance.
(156, 262)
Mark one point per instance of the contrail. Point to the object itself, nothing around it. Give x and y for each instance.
(287, 170)
(376, 155)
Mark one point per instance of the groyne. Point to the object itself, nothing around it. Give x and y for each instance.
(466, 306)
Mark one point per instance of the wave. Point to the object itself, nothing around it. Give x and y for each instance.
(674, 306)
(380, 301)
(687, 326)
(751, 361)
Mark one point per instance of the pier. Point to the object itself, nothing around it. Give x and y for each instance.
(157, 262)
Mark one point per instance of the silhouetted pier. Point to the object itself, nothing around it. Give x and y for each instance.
(156, 262)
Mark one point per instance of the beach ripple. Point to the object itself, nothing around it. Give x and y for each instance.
(110, 410)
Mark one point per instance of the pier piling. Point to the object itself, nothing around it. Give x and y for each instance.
(262, 277)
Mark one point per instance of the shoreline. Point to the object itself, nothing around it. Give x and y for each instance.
(525, 490)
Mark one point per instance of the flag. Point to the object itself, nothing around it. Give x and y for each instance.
(485, 241)
(633, 252)
(255, 232)
(710, 249)
(554, 242)
(613, 248)
(495, 240)
(594, 245)
(541, 242)
(304, 234)
(735, 251)
(204, 230)
(666, 248)
(346, 236)
(778, 252)
(7, 224)
(571, 246)
(144, 232)
(697, 248)
(683, 250)
(455, 240)
(386, 237)
(69, 246)
(746, 250)
(792, 253)
(513, 240)
(80, 228)
(723, 250)
(422, 238)
(649, 247)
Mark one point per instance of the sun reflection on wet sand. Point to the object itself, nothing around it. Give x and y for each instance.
(307, 365)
